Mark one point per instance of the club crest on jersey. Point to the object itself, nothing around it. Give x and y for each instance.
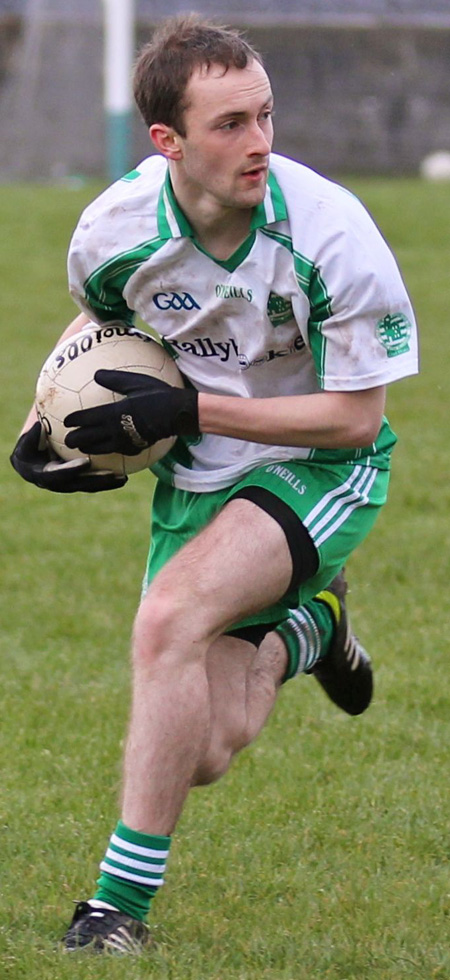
(175, 301)
(393, 332)
(279, 309)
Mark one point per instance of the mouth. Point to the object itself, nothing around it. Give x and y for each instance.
(254, 174)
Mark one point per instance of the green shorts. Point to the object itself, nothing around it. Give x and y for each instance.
(338, 505)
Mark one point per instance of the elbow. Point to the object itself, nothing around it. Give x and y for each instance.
(361, 417)
(363, 432)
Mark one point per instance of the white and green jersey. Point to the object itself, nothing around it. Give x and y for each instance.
(312, 300)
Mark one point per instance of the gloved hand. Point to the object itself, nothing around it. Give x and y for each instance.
(36, 465)
(152, 410)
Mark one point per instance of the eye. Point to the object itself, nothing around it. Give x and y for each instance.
(232, 124)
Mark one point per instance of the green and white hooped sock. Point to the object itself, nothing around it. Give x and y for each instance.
(308, 631)
(132, 871)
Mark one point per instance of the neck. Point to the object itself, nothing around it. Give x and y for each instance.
(218, 229)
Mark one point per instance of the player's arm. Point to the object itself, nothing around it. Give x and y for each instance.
(328, 419)
(156, 410)
(35, 463)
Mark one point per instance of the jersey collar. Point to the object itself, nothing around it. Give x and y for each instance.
(172, 222)
(272, 208)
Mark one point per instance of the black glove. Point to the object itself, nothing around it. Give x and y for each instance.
(152, 410)
(38, 466)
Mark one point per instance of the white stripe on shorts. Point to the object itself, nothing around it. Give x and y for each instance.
(360, 502)
(339, 491)
(351, 494)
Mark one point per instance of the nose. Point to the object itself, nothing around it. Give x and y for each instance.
(260, 139)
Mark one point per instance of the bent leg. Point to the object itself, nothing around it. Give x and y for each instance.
(244, 680)
(235, 567)
(243, 685)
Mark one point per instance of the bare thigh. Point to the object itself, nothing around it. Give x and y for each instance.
(235, 567)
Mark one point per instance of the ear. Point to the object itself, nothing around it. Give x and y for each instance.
(166, 140)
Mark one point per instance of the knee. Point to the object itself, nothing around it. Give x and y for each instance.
(166, 627)
(155, 626)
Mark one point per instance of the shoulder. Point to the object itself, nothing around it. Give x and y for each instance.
(313, 200)
(125, 214)
(327, 221)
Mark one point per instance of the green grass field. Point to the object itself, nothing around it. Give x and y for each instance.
(324, 853)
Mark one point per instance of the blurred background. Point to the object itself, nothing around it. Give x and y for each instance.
(324, 853)
(361, 86)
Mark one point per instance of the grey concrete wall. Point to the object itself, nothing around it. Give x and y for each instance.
(361, 99)
(250, 10)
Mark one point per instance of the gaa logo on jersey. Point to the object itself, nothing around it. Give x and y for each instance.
(393, 332)
(175, 301)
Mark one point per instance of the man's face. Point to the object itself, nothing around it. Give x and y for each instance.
(229, 134)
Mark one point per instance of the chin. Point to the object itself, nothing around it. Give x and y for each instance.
(250, 198)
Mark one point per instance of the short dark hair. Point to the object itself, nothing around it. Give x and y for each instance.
(180, 45)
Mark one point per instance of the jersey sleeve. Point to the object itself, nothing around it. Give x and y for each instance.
(115, 234)
(91, 284)
(361, 330)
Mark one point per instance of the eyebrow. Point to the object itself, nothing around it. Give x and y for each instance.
(239, 113)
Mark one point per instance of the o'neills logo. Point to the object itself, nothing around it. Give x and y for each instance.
(234, 292)
(288, 476)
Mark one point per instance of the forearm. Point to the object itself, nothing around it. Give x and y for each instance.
(324, 420)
